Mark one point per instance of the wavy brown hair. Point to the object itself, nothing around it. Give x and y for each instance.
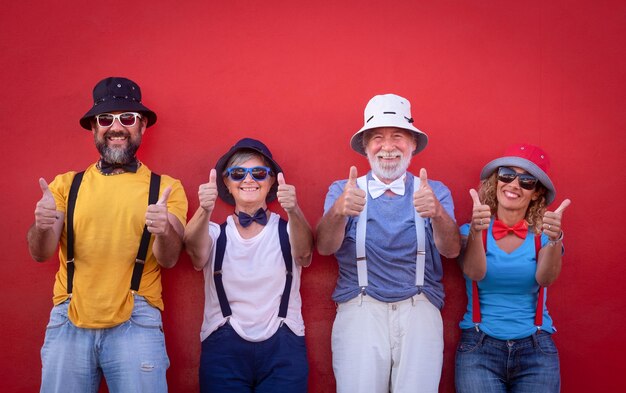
(535, 210)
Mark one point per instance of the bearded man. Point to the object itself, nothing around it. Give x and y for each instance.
(387, 230)
(116, 224)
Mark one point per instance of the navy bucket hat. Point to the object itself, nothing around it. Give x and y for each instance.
(254, 146)
(116, 94)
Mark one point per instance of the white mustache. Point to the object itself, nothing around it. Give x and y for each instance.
(391, 154)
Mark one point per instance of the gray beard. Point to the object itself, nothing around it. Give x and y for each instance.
(118, 155)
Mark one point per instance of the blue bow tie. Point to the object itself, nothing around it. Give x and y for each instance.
(245, 219)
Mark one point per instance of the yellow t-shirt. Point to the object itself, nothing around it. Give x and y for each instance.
(108, 222)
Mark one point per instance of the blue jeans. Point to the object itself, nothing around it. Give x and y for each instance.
(229, 363)
(131, 356)
(487, 365)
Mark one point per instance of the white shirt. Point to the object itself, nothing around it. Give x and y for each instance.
(253, 273)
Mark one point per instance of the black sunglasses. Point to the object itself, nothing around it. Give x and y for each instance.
(238, 173)
(526, 181)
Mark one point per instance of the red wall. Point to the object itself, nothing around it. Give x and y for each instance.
(479, 75)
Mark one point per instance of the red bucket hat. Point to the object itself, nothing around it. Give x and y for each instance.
(529, 157)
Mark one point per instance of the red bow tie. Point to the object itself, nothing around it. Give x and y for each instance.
(500, 229)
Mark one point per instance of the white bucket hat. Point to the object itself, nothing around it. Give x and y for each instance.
(388, 110)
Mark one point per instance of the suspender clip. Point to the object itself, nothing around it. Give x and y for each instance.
(217, 273)
(140, 261)
(70, 261)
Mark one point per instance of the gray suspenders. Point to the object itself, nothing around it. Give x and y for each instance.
(361, 228)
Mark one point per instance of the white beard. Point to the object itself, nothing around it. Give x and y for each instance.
(389, 171)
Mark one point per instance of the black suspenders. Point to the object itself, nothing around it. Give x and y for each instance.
(140, 261)
(219, 259)
(153, 197)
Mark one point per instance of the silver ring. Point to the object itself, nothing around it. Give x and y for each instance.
(549, 226)
(481, 221)
(149, 222)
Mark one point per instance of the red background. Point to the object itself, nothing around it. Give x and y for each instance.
(479, 74)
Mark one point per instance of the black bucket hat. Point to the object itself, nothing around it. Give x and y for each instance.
(256, 147)
(116, 94)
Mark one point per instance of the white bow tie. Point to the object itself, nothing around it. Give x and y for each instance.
(378, 188)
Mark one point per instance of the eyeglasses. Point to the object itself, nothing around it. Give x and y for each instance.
(526, 181)
(127, 119)
(238, 173)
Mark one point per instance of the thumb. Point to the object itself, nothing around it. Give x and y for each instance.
(213, 176)
(475, 197)
(281, 179)
(563, 206)
(166, 194)
(423, 178)
(353, 176)
(44, 188)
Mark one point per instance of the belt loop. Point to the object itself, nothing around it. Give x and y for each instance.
(413, 300)
(482, 336)
(535, 341)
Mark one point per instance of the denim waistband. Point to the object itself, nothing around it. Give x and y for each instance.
(483, 338)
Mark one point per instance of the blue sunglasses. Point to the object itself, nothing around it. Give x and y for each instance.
(238, 173)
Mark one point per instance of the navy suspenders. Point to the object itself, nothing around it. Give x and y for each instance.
(220, 248)
(140, 260)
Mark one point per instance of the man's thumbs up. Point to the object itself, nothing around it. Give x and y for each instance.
(423, 179)
(352, 201)
(44, 189)
(424, 200)
(353, 176)
(157, 219)
(166, 194)
(46, 209)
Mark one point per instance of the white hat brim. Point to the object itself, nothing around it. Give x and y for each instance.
(356, 142)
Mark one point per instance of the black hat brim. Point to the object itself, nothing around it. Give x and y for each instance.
(116, 105)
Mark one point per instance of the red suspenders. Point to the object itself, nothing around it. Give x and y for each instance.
(476, 317)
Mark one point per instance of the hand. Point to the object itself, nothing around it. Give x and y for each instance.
(352, 201)
(424, 199)
(207, 193)
(46, 209)
(286, 194)
(157, 219)
(552, 221)
(481, 214)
